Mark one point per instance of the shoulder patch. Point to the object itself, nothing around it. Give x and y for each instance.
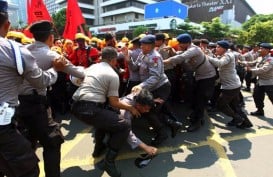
(269, 60)
(155, 61)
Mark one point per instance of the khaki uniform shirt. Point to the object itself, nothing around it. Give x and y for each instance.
(195, 56)
(11, 80)
(264, 70)
(100, 82)
(44, 57)
(151, 70)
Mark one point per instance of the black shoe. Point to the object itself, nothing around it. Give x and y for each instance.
(175, 127)
(257, 113)
(194, 126)
(108, 164)
(247, 89)
(245, 124)
(99, 150)
(231, 123)
(159, 139)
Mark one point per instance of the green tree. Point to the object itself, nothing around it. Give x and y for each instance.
(59, 20)
(188, 27)
(256, 19)
(257, 29)
(215, 30)
(139, 30)
(260, 32)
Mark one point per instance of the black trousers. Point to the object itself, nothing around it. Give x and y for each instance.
(104, 121)
(17, 158)
(203, 91)
(156, 116)
(32, 112)
(229, 101)
(259, 94)
(249, 79)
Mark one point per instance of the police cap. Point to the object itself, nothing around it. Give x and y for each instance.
(160, 36)
(184, 38)
(3, 6)
(42, 26)
(148, 39)
(266, 46)
(224, 44)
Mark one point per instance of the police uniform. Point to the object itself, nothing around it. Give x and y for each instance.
(16, 156)
(169, 70)
(228, 101)
(248, 57)
(264, 73)
(101, 82)
(134, 78)
(204, 76)
(153, 78)
(33, 108)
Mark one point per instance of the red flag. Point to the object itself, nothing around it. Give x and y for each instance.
(36, 10)
(74, 19)
(29, 14)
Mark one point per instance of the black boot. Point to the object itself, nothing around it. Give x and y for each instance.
(195, 125)
(175, 126)
(99, 149)
(246, 123)
(160, 137)
(259, 112)
(108, 164)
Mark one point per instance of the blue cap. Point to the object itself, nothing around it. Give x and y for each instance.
(266, 45)
(224, 44)
(3, 6)
(148, 39)
(184, 38)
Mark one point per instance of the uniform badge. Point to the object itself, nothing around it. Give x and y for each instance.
(155, 60)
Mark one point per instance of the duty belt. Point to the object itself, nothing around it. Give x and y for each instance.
(97, 104)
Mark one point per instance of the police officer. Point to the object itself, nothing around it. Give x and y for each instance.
(153, 78)
(264, 72)
(33, 108)
(100, 84)
(228, 101)
(167, 52)
(204, 76)
(131, 57)
(17, 159)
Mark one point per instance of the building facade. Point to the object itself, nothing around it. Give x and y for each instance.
(232, 12)
(89, 9)
(52, 6)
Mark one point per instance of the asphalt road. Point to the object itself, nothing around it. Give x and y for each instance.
(214, 151)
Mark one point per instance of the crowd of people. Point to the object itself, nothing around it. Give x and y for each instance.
(108, 82)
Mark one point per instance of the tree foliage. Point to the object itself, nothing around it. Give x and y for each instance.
(188, 27)
(139, 30)
(59, 20)
(256, 19)
(215, 30)
(257, 29)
